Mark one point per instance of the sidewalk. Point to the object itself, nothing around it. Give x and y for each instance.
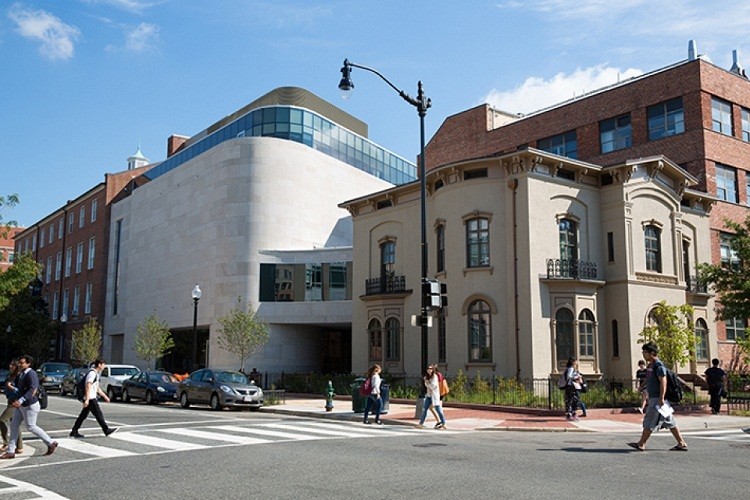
(507, 419)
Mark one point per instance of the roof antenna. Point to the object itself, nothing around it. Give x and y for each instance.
(736, 68)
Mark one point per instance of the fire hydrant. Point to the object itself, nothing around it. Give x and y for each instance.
(329, 396)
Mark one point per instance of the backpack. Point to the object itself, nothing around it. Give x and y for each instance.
(41, 395)
(366, 388)
(674, 388)
(81, 385)
(444, 388)
(562, 381)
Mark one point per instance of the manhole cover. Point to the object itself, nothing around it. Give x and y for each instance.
(428, 445)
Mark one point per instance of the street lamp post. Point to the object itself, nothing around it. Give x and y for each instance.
(196, 295)
(422, 104)
(61, 344)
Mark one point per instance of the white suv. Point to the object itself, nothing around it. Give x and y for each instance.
(110, 381)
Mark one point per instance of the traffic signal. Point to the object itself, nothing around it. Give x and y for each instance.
(435, 292)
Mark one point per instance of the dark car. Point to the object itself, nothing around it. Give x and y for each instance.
(70, 381)
(152, 387)
(219, 389)
(51, 375)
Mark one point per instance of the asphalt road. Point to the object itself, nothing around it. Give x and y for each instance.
(167, 452)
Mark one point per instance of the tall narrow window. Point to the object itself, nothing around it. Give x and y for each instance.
(686, 259)
(42, 234)
(665, 119)
(76, 300)
(729, 256)
(393, 336)
(478, 242)
(568, 240)
(615, 134)
(610, 246)
(440, 261)
(65, 303)
(441, 334)
(701, 340)
(745, 125)
(55, 305)
(58, 266)
(586, 334)
(60, 228)
(480, 332)
(615, 340)
(313, 282)
(375, 336)
(82, 216)
(721, 116)
(94, 206)
(48, 273)
(92, 250)
(653, 248)
(79, 257)
(564, 336)
(71, 219)
(68, 260)
(726, 183)
(388, 259)
(87, 302)
(51, 233)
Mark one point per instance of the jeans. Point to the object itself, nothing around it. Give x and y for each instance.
(4, 428)
(378, 402)
(426, 408)
(29, 414)
(715, 403)
(92, 407)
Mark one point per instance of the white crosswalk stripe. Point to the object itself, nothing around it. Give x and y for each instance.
(736, 435)
(267, 432)
(92, 449)
(20, 489)
(157, 442)
(215, 436)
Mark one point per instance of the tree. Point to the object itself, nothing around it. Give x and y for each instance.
(672, 331)
(87, 342)
(731, 281)
(242, 333)
(31, 329)
(153, 339)
(17, 278)
(7, 201)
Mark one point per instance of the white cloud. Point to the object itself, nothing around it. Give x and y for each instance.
(137, 6)
(56, 37)
(142, 38)
(537, 93)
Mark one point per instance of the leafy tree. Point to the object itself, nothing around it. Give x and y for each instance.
(17, 278)
(31, 330)
(87, 342)
(7, 201)
(731, 282)
(242, 333)
(153, 339)
(672, 332)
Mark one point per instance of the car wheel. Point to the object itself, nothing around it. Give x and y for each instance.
(215, 404)
(111, 393)
(125, 396)
(150, 398)
(184, 402)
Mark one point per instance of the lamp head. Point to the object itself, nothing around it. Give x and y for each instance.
(346, 86)
(64, 318)
(196, 293)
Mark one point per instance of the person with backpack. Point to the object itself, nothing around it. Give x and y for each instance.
(26, 409)
(90, 403)
(656, 386)
(373, 397)
(12, 394)
(716, 379)
(573, 381)
(432, 397)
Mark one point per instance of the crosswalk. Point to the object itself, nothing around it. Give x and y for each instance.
(732, 435)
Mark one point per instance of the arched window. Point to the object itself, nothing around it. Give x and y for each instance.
(480, 332)
(586, 334)
(568, 240)
(375, 336)
(393, 339)
(653, 248)
(478, 242)
(564, 335)
(701, 340)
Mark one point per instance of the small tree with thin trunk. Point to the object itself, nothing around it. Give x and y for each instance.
(672, 331)
(87, 342)
(153, 339)
(242, 333)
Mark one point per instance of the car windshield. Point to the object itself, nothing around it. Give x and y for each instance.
(56, 367)
(124, 370)
(231, 377)
(161, 378)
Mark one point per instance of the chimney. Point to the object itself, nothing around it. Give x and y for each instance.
(692, 50)
(736, 68)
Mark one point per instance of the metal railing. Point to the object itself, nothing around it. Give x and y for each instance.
(695, 285)
(387, 284)
(569, 268)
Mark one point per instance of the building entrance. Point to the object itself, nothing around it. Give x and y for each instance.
(189, 352)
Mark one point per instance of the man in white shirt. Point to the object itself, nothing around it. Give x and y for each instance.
(91, 404)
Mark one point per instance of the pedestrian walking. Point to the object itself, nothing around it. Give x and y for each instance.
(573, 381)
(716, 378)
(432, 397)
(11, 393)
(90, 402)
(640, 377)
(374, 397)
(656, 385)
(26, 409)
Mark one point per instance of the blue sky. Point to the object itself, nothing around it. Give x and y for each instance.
(84, 82)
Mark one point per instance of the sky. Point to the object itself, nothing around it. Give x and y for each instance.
(84, 83)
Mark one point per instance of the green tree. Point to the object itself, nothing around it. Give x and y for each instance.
(87, 342)
(672, 331)
(242, 333)
(153, 339)
(17, 278)
(9, 201)
(731, 281)
(31, 330)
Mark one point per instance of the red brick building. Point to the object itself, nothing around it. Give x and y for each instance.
(72, 244)
(693, 112)
(7, 247)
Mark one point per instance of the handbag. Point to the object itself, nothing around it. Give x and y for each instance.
(584, 386)
(444, 389)
(723, 393)
(577, 386)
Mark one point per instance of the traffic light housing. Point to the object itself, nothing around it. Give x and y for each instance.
(436, 294)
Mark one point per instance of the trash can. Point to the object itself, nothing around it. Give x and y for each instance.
(358, 401)
(385, 390)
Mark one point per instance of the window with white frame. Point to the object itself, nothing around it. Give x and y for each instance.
(48, 273)
(586, 334)
(71, 219)
(701, 340)
(60, 228)
(51, 233)
(726, 183)
(79, 257)
(721, 116)
(55, 305)
(745, 125)
(33, 243)
(652, 235)
(665, 119)
(393, 337)
(76, 300)
(58, 266)
(735, 328)
(88, 298)
(68, 260)
(42, 234)
(480, 332)
(65, 303)
(92, 248)
(478, 242)
(82, 216)
(94, 206)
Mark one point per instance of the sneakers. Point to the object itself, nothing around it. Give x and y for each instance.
(109, 431)
(51, 448)
(419, 426)
(440, 426)
(378, 422)
(76, 435)
(367, 422)
(7, 456)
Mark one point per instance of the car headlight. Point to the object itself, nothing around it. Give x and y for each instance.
(48, 379)
(226, 389)
(160, 389)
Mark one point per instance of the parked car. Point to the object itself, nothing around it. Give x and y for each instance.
(70, 381)
(152, 387)
(51, 374)
(112, 377)
(219, 389)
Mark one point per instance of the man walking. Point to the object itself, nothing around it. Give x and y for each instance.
(656, 386)
(716, 378)
(26, 409)
(90, 403)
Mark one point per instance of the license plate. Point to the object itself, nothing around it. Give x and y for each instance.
(247, 399)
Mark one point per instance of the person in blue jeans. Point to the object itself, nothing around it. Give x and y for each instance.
(432, 397)
(374, 397)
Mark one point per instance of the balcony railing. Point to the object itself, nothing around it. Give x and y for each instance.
(569, 268)
(694, 285)
(387, 284)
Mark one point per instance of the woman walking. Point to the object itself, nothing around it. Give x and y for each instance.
(432, 397)
(374, 397)
(572, 386)
(11, 392)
